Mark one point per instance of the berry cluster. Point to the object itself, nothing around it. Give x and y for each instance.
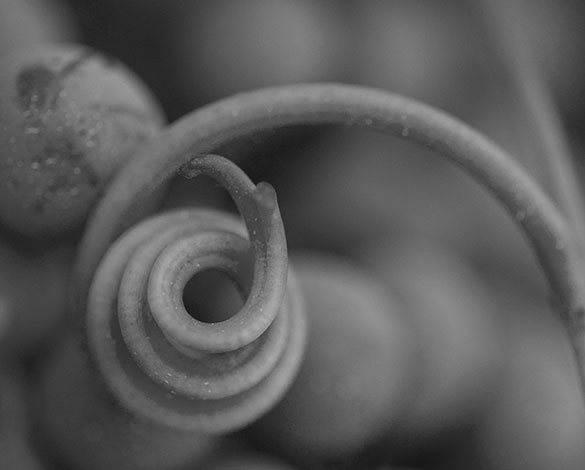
(159, 309)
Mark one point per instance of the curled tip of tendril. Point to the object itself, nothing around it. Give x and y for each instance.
(164, 364)
(136, 185)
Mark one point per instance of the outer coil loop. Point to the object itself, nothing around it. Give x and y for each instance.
(162, 363)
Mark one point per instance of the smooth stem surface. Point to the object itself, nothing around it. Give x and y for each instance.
(224, 121)
(535, 107)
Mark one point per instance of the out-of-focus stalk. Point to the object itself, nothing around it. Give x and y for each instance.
(551, 160)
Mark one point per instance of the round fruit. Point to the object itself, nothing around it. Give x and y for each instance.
(422, 49)
(227, 46)
(69, 118)
(355, 186)
(458, 336)
(357, 371)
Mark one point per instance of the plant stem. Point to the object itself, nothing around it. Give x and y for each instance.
(138, 183)
(536, 108)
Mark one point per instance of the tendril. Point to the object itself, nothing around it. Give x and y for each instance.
(164, 364)
(138, 184)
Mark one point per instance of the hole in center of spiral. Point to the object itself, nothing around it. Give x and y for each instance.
(211, 297)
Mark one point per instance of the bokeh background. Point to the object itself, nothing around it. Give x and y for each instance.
(399, 212)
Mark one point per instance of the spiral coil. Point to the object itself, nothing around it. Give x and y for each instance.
(165, 365)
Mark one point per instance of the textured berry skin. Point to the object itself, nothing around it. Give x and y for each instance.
(69, 118)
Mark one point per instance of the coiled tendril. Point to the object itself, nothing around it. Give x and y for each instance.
(135, 187)
(162, 363)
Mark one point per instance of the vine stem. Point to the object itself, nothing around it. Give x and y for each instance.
(536, 108)
(138, 184)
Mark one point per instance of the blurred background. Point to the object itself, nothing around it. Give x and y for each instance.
(377, 201)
